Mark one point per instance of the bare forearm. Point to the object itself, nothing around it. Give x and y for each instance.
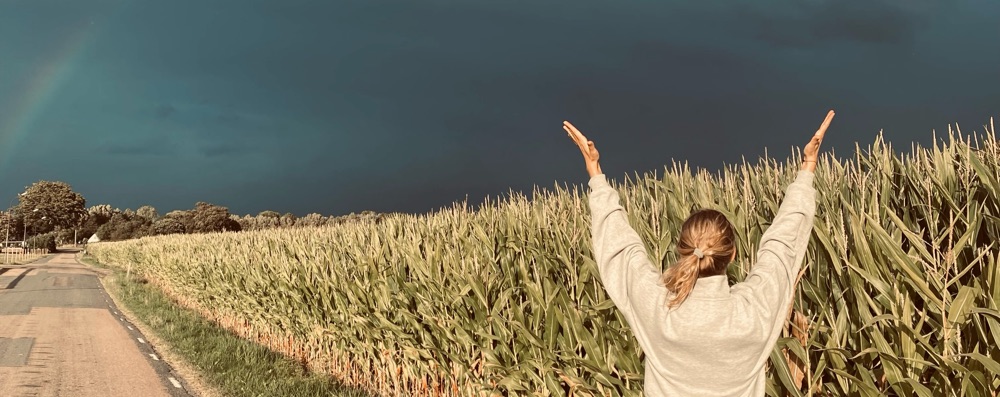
(594, 169)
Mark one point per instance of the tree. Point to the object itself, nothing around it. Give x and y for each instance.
(123, 226)
(148, 212)
(212, 218)
(67, 235)
(47, 241)
(167, 225)
(267, 219)
(269, 214)
(10, 225)
(288, 220)
(97, 216)
(185, 218)
(312, 219)
(46, 205)
(101, 213)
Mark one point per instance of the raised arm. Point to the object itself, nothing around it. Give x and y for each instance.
(769, 286)
(783, 245)
(620, 254)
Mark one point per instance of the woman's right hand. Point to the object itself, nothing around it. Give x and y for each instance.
(590, 155)
(811, 153)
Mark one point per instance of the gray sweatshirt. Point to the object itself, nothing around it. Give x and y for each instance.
(717, 341)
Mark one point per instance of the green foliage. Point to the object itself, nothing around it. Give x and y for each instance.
(271, 219)
(208, 218)
(900, 294)
(148, 212)
(101, 213)
(124, 226)
(288, 219)
(47, 241)
(89, 227)
(47, 205)
(11, 226)
(167, 225)
(183, 217)
(112, 224)
(65, 236)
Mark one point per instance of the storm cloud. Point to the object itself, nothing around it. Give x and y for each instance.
(410, 106)
(804, 24)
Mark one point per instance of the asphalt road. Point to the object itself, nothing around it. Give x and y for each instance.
(61, 335)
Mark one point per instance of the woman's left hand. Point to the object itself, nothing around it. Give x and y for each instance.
(590, 155)
(810, 155)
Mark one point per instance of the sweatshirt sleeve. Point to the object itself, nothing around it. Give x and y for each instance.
(620, 254)
(768, 286)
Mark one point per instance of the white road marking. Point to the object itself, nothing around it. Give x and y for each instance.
(129, 327)
(174, 381)
(154, 357)
(140, 340)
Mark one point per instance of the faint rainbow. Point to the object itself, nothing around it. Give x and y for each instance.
(44, 82)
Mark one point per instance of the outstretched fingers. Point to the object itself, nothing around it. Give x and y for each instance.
(581, 141)
(826, 123)
(574, 133)
(812, 148)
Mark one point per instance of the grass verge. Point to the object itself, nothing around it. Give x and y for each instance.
(233, 366)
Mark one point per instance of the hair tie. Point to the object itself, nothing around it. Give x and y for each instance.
(699, 253)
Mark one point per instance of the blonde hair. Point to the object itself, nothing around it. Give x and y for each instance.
(710, 232)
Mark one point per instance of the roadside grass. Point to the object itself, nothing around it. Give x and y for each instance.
(234, 366)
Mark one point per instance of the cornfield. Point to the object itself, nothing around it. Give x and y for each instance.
(899, 294)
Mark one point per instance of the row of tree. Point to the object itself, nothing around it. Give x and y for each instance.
(271, 219)
(53, 211)
(114, 224)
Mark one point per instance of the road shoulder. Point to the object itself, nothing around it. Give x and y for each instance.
(191, 379)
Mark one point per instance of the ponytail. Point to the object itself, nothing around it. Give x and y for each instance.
(706, 244)
(681, 277)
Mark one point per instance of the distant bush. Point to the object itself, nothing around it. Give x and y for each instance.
(167, 225)
(124, 226)
(47, 240)
(208, 218)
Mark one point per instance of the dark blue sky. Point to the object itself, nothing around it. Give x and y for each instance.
(343, 106)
